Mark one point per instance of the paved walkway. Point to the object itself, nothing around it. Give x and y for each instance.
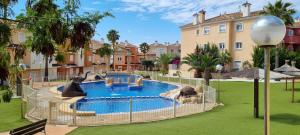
(53, 130)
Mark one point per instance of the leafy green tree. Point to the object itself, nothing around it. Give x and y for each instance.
(113, 36)
(105, 52)
(60, 58)
(148, 64)
(51, 26)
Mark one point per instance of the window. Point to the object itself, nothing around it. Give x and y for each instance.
(222, 28)
(206, 30)
(290, 32)
(238, 45)
(237, 64)
(197, 32)
(71, 58)
(21, 37)
(221, 46)
(239, 27)
(172, 50)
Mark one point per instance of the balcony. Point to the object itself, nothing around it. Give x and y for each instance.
(292, 39)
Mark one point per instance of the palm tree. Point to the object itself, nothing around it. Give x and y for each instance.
(194, 61)
(203, 59)
(144, 47)
(225, 58)
(284, 11)
(164, 61)
(281, 9)
(113, 36)
(5, 7)
(208, 63)
(105, 52)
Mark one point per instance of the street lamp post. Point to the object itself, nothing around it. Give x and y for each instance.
(219, 68)
(267, 32)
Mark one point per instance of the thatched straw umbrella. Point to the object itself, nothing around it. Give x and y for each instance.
(290, 70)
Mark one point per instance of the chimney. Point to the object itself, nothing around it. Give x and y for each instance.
(195, 19)
(246, 9)
(201, 17)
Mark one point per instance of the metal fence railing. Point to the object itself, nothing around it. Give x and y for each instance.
(119, 110)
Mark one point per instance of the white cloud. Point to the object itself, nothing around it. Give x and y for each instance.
(181, 11)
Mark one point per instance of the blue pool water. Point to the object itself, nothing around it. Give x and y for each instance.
(103, 99)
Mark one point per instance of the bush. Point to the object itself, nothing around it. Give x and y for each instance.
(6, 96)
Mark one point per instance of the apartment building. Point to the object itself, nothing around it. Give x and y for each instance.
(229, 31)
(292, 37)
(92, 61)
(127, 57)
(157, 49)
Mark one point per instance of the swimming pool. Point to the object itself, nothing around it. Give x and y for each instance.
(116, 99)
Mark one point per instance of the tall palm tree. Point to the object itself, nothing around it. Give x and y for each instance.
(105, 52)
(144, 47)
(208, 63)
(113, 36)
(284, 11)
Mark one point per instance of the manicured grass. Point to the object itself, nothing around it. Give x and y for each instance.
(235, 118)
(10, 115)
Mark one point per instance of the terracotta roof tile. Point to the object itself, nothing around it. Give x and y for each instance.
(231, 16)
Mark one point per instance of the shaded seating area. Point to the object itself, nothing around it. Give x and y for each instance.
(291, 71)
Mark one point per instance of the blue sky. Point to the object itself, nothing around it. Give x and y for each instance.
(150, 20)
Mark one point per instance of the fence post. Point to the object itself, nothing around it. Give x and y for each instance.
(130, 109)
(203, 98)
(74, 113)
(190, 79)
(180, 81)
(50, 112)
(174, 108)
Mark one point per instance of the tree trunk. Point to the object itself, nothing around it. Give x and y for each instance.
(107, 61)
(197, 73)
(276, 57)
(5, 12)
(46, 68)
(206, 76)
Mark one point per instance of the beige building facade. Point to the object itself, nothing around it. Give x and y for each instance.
(229, 32)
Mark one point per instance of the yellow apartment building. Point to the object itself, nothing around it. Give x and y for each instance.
(229, 31)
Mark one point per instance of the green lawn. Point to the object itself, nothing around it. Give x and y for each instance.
(10, 115)
(235, 118)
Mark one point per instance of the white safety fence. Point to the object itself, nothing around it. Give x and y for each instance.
(107, 111)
